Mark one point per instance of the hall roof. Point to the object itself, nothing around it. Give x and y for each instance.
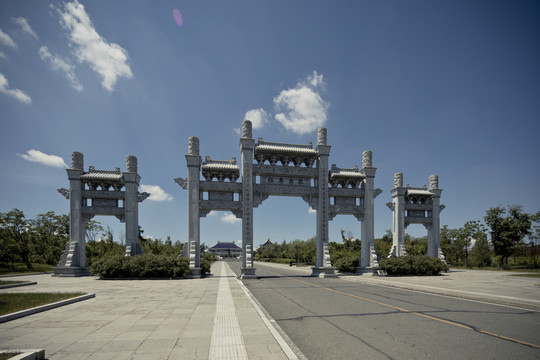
(419, 192)
(220, 165)
(225, 245)
(347, 174)
(103, 175)
(280, 148)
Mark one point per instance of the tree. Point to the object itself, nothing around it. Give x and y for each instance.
(471, 230)
(508, 228)
(50, 233)
(481, 252)
(534, 239)
(93, 229)
(15, 229)
(416, 246)
(384, 244)
(453, 244)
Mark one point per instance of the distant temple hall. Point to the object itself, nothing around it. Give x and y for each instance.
(226, 249)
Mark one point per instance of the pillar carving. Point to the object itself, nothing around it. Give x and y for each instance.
(246, 148)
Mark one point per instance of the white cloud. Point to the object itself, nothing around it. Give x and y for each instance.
(3, 56)
(6, 40)
(109, 60)
(212, 213)
(16, 93)
(230, 219)
(25, 26)
(258, 117)
(316, 80)
(302, 108)
(156, 193)
(59, 64)
(44, 159)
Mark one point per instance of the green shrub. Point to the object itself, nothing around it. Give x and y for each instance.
(413, 265)
(141, 266)
(346, 264)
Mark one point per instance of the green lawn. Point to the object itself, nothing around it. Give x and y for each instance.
(20, 268)
(515, 269)
(9, 282)
(8, 355)
(527, 275)
(13, 302)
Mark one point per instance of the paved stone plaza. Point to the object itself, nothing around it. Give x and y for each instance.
(144, 319)
(203, 318)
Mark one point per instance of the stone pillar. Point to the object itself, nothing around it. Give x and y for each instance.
(73, 262)
(398, 223)
(434, 241)
(131, 206)
(368, 262)
(322, 210)
(246, 146)
(194, 160)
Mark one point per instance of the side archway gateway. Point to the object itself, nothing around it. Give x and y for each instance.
(420, 205)
(99, 192)
(278, 169)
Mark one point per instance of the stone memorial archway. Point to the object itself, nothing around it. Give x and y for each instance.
(416, 206)
(277, 169)
(99, 192)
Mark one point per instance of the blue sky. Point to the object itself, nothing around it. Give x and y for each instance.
(431, 87)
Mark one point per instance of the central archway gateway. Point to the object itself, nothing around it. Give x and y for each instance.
(266, 171)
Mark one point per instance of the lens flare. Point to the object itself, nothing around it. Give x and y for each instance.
(178, 17)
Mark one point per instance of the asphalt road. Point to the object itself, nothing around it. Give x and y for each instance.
(336, 319)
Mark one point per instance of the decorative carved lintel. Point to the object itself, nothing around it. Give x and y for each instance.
(258, 198)
(204, 212)
(87, 217)
(64, 192)
(182, 182)
(142, 196)
(312, 201)
(237, 213)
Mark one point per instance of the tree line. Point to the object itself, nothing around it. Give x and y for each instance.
(505, 233)
(43, 240)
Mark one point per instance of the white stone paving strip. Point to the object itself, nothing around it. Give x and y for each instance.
(227, 341)
(284, 346)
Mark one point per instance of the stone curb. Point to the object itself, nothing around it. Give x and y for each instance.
(17, 285)
(455, 293)
(26, 274)
(38, 309)
(26, 354)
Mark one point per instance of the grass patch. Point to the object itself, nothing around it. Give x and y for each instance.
(527, 275)
(10, 282)
(13, 302)
(8, 355)
(516, 270)
(20, 268)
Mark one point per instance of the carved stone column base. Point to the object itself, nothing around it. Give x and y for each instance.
(195, 273)
(133, 249)
(323, 272)
(248, 273)
(71, 271)
(367, 271)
